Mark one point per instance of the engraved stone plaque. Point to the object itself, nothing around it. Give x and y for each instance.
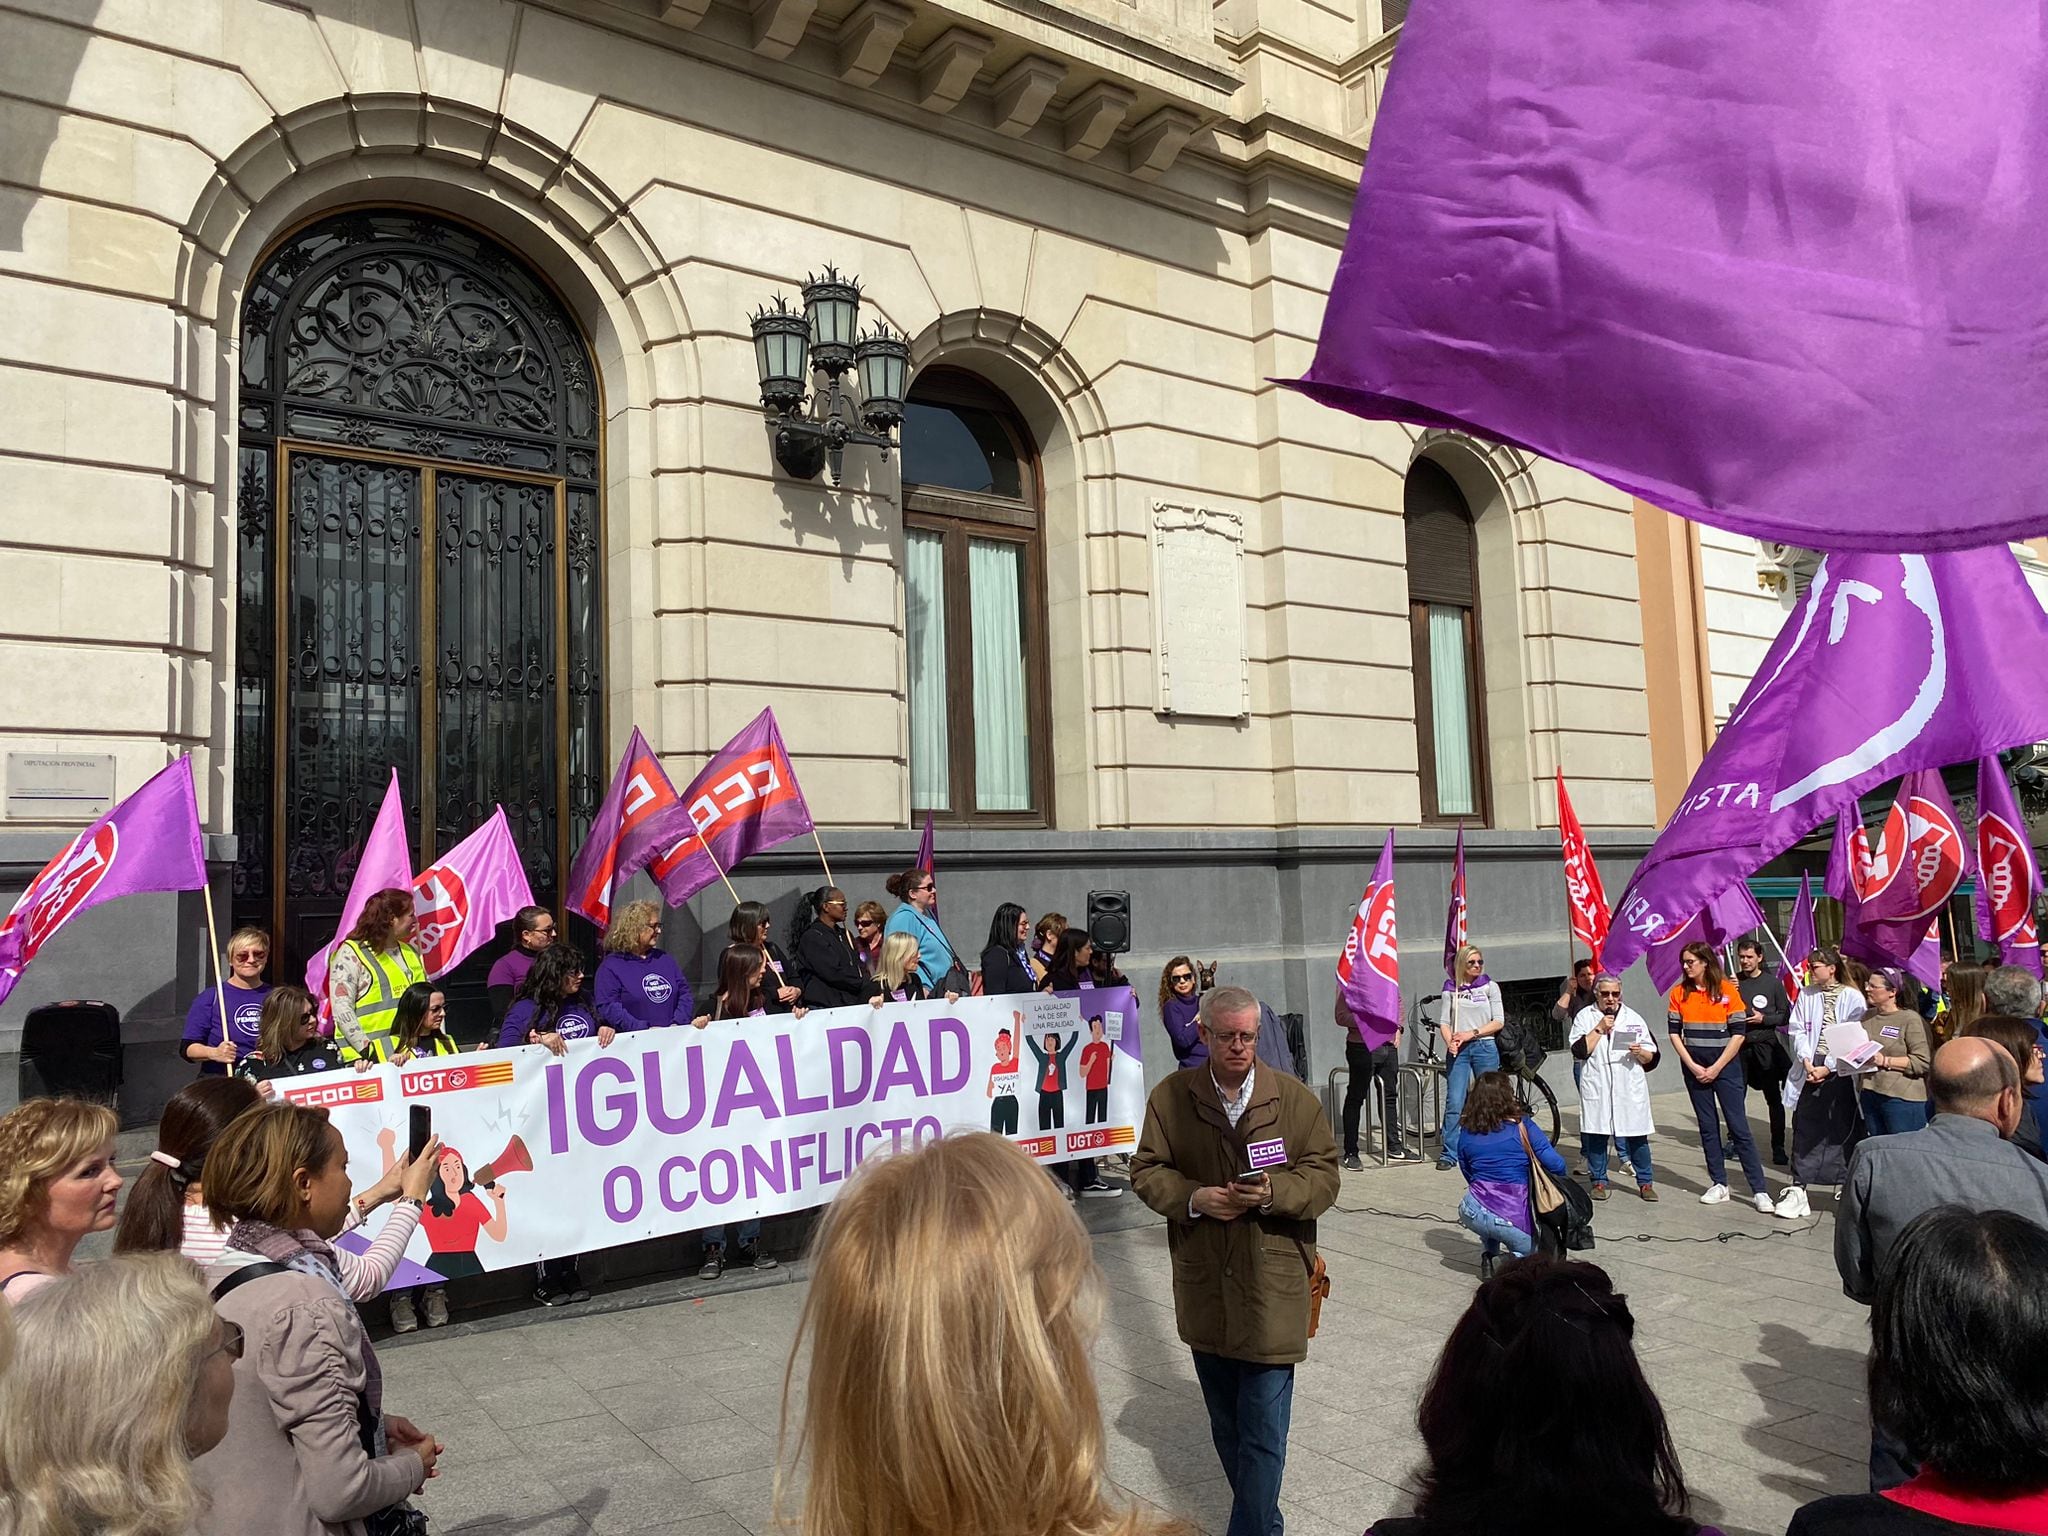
(1198, 611)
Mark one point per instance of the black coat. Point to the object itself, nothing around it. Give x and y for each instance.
(1003, 973)
(831, 974)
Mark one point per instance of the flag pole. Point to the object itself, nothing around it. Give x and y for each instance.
(730, 890)
(220, 983)
(821, 857)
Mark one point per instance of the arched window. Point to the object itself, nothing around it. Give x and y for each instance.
(1443, 618)
(418, 585)
(974, 605)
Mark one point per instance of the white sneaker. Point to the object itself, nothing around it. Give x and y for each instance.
(1716, 1195)
(1762, 1202)
(403, 1318)
(1792, 1205)
(437, 1306)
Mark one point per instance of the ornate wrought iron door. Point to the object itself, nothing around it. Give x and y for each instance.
(418, 518)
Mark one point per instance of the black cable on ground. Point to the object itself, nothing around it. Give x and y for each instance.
(1623, 1237)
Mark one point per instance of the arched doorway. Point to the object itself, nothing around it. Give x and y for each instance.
(419, 584)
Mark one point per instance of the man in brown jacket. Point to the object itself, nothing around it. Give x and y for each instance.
(1240, 1163)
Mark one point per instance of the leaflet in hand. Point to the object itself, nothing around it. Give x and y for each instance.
(1850, 1049)
(1626, 1036)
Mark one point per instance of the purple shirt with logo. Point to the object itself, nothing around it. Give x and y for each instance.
(202, 1022)
(573, 1022)
(642, 992)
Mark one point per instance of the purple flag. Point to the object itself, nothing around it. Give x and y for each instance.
(1888, 664)
(927, 857)
(1732, 914)
(1799, 941)
(2007, 876)
(1773, 267)
(149, 842)
(1369, 967)
(1456, 916)
(619, 840)
(1891, 893)
(746, 799)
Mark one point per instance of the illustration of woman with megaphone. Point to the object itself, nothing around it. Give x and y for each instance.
(455, 1217)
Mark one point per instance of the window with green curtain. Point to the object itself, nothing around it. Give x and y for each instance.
(924, 622)
(1450, 693)
(1002, 716)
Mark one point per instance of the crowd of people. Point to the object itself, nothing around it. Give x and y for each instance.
(214, 1376)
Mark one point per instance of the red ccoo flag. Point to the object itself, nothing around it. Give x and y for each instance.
(1590, 916)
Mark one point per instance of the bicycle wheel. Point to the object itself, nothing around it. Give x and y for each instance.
(1529, 1088)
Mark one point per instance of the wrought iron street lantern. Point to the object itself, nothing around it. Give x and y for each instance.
(791, 347)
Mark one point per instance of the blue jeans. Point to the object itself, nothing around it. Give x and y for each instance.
(1635, 1148)
(1726, 1095)
(1494, 1234)
(749, 1232)
(1884, 1115)
(1478, 1056)
(1249, 1408)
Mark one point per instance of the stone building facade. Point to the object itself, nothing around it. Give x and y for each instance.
(1106, 227)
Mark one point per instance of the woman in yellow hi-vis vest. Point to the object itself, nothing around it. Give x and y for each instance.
(369, 972)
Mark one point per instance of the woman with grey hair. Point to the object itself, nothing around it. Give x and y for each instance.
(1614, 1045)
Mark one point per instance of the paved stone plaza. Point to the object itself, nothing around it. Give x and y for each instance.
(655, 1410)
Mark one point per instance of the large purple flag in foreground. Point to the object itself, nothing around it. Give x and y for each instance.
(149, 842)
(1888, 664)
(1774, 267)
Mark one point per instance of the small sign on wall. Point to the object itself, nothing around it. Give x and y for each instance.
(59, 786)
(1198, 611)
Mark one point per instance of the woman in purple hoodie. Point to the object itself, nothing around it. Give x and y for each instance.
(1180, 999)
(639, 986)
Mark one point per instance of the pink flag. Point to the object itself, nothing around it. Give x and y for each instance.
(386, 864)
(1455, 918)
(1590, 917)
(2007, 877)
(621, 838)
(149, 842)
(461, 897)
(1369, 969)
(927, 856)
(745, 800)
(1733, 913)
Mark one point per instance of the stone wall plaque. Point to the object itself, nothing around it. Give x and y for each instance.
(59, 786)
(1198, 611)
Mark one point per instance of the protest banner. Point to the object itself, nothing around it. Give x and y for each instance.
(673, 1130)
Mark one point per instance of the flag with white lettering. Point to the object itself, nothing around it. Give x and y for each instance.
(1937, 647)
(621, 837)
(1369, 968)
(745, 800)
(459, 900)
(149, 842)
(1732, 914)
(1590, 917)
(2008, 879)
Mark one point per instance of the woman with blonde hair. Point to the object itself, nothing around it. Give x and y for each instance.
(954, 1296)
(122, 1374)
(1965, 1005)
(639, 985)
(309, 1450)
(238, 999)
(57, 1184)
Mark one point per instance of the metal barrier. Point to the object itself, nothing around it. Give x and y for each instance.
(1418, 1087)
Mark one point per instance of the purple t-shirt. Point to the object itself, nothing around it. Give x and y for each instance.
(573, 1022)
(633, 992)
(202, 1022)
(510, 968)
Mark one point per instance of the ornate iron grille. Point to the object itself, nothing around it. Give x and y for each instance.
(418, 526)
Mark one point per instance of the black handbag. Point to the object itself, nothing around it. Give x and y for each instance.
(1560, 1210)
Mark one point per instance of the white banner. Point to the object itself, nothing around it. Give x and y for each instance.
(676, 1130)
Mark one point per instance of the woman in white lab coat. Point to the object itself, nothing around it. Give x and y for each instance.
(1617, 1050)
(1826, 1122)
